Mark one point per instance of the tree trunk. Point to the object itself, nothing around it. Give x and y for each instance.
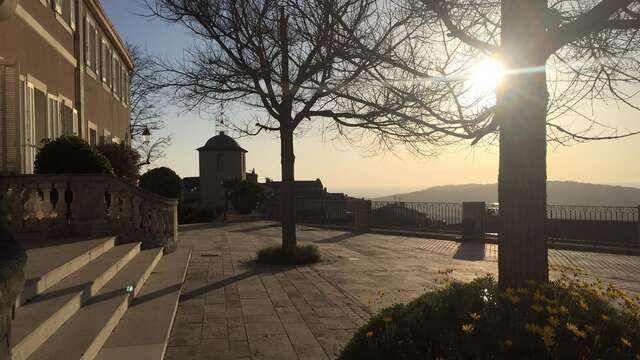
(521, 114)
(287, 195)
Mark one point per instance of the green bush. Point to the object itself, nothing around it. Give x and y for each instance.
(124, 160)
(245, 196)
(163, 181)
(566, 319)
(71, 155)
(300, 255)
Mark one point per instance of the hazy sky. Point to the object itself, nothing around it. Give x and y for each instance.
(343, 168)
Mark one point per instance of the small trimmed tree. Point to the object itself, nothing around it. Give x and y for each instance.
(163, 181)
(124, 160)
(71, 155)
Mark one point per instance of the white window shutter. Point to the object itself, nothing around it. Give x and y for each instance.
(75, 123)
(87, 44)
(72, 14)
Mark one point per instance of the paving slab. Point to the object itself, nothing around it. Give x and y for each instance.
(310, 312)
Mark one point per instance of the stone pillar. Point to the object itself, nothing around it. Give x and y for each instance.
(362, 212)
(473, 221)
(638, 234)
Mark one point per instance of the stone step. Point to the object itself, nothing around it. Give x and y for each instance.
(49, 263)
(143, 331)
(38, 319)
(82, 336)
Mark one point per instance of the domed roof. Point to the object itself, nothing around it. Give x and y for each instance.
(221, 142)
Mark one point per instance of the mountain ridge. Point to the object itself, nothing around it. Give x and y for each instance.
(558, 192)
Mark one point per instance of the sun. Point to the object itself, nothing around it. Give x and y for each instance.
(486, 76)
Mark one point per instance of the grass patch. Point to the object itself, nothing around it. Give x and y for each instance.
(559, 320)
(300, 255)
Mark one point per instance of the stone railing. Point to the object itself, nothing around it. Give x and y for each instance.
(41, 207)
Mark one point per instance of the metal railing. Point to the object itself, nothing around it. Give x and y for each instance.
(593, 213)
(415, 214)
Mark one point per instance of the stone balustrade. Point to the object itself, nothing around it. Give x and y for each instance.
(65, 206)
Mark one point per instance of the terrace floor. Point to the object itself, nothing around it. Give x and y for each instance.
(232, 308)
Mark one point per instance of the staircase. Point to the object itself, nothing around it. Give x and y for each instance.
(95, 299)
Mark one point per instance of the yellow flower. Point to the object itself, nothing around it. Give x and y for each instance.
(386, 319)
(475, 316)
(553, 321)
(563, 310)
(577, 332)
(537, 308)
(604, 317)
(467, 328)
(583, 305)
(370, 334)
(625, 342)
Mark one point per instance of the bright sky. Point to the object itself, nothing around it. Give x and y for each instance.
(345, 169)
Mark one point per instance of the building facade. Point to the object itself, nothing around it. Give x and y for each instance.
(64, 70)
(221, 158)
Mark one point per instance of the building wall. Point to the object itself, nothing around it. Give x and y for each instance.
(56, 93)
(37, 57)
(105, 102)
(216, 167)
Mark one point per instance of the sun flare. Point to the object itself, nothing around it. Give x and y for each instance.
(486, 76)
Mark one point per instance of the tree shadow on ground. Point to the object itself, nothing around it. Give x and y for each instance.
(200, 226)
(470, 252)
(256, 228)
(338, 238)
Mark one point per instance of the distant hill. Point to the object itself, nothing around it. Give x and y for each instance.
(558, 192)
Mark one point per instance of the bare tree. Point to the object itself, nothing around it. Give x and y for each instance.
(145, 99)
(559, 58)
(289, 59)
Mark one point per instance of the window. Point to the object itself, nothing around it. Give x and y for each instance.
(67, 117)
(103, 61)
(53, 118)
(87, 43)
(28, 127)
(57, 5)
(105, 138)
(108, 64)
(92, 45)
(114, 73)
(93, 134)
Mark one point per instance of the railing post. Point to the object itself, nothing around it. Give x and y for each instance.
(474, 221)
(638, 231)
(362, 214)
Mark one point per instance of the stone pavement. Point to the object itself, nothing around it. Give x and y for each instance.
(232, 308)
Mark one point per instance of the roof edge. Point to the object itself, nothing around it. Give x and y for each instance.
(110, 30)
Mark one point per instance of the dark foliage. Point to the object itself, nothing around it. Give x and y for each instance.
(163, 181)
(245, 196)
(558, 320)
(194, 213)
(124, 160)
(71, 155)
(299, 255)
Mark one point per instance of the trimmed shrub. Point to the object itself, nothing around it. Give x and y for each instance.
(124, 160)
(565, 319)
(71, 155)
(245, 196)
(163, 181)
(300, 255)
